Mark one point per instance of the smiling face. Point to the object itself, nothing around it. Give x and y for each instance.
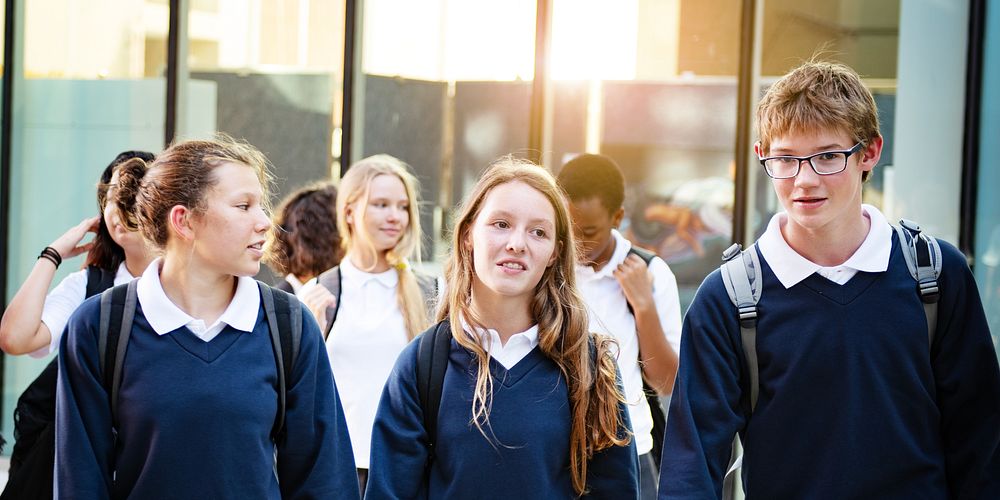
(386, 214)
(229, 235)
(513, 241)
(822, 204)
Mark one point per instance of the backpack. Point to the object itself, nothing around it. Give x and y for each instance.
(332, 280)
(284, 320)
(655, 406)
(741, 275)
(33, 456)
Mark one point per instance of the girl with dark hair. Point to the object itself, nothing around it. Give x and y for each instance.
(201, 410)
(530, 404)
(305, 241)
(34, 322)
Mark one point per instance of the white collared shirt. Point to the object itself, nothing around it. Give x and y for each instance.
(64, 299)
(609, 315)
(791, 268)
(363, 345)
(517, 347)
(164, 316)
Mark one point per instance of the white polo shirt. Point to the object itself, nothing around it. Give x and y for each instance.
(66, 298)
(609, 314)
(164, 316)
(363, 346)
(790, 268)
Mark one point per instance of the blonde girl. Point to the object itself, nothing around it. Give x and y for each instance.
(530, 405)
(380, 307)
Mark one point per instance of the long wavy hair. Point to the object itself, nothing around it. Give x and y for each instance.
(355, 188)
(558, 309)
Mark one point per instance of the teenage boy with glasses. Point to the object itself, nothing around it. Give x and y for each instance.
(852, 400)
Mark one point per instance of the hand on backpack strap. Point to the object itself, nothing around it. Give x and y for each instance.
(637, 283)
(317, 299)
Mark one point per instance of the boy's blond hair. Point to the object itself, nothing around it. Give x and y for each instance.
(816, 96)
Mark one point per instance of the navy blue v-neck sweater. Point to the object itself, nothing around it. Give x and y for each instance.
(526, 457)
(195, 417)
(853, 402)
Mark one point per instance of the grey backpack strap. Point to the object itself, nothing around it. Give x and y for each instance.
(331, 279)
(117, 312)
(741, 276)
(284, 320)
(923, 259)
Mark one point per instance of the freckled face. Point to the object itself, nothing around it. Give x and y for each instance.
(513, 242)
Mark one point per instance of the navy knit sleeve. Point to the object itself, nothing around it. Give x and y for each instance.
(968, 383)
(613, 473)
(315, 458)
(399, 441)
(705, 412)
(83, 411)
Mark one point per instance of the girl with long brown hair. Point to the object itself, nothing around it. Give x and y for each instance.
(530, 404)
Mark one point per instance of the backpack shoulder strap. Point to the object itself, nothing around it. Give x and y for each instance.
(98, 280)
(284, 320)
(642, 253)
(332, 280)
(741, 274)
(923, 259)
(117, 312)
(432, 363)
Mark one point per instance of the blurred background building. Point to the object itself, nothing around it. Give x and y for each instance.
(666, 87)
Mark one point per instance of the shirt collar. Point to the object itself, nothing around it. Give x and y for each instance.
(790, 268)
(164, 316)
(486, 335)
(388, 278)
(622, 247)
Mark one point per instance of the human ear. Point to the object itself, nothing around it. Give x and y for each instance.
(758, 150)
(871, 154)
(180, 220)
(616, 218)
(349, 214)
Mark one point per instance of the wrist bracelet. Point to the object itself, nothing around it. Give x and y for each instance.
(52, 255)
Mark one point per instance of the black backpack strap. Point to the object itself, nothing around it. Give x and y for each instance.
(432, 363)
(332, 280)
(98, 280)
(284, 321)
(652, 398)
(117, 312)
(923, 260)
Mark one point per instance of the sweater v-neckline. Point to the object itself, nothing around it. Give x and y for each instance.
(206, 351)
(509, 377)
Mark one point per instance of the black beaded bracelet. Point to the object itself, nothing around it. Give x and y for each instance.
(52, 255)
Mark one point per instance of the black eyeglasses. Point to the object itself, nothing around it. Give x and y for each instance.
(825, 163)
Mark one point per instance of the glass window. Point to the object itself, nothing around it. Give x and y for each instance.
(657, 93)
(446, 87)
(91, 85)
(887, 46)
(987, 237)
(269, 72)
